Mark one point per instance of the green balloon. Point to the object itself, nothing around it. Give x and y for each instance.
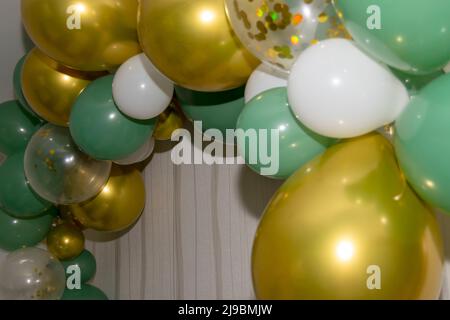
(16, 196)
(100, 129)
(415, 83)
(409, 35)
(17, 82)
(297, 144)
(216, 110)
(87, 292)
(16, 127)
(87, 264)
(422, 143)
(19, 233)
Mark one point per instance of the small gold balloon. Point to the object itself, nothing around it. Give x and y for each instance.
(169, 121)
(65, 241)
(192, 43)
(89, 35)
(118, 206)
(348, 226)
(50, 88)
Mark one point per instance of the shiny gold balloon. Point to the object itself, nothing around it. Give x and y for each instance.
(118, 206)
(89, 35)
(50, 88)
(192, 43)
(65, 241)
(348, 226)
(169, 121)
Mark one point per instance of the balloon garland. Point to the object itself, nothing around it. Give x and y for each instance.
(109, 79)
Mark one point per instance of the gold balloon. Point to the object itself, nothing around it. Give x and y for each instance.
(169, 121)
(118, 206)
(89, 35)
(348, 226)
(50, 88)
(192, 43)
(65, 241)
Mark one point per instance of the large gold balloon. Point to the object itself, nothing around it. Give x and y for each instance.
(192, 43)
(117, 207)
(65, 241)
(348, 226)
(89, 35)
(50, 88)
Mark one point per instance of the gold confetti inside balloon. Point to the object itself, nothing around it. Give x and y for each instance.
(90, 35)
(192, 44)
(65, 241)
(117, 207)
(169, 121)
(278, 31)
(348, 226)
(51, 88)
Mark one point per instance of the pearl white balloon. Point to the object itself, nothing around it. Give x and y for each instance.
(338, 91)
(262, 79)
(142, 154)
(140, 91)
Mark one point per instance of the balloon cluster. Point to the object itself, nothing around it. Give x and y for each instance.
(108, 78)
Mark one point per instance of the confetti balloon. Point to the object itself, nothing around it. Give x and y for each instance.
(58, 171)
(31, 274)
(278, 31)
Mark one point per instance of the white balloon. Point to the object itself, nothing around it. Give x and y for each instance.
(139, 90)
(142, 154)
(338, 91)
(262, 79)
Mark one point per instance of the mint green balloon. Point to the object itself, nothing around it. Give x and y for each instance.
(16, 127)
(87, 264)
(216, 110)
(16, 196)
(297, 144)
(19, 233)
(409, 35)
(17, 82)
(422, 143)
(87, 292)
(414, 83)
(100, 129)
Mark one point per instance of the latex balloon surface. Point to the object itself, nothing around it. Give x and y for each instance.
(17, 83)
(348, 226)
(141, 155)
(86, 264)
(262, 79)
(90, 35)
(192, 44)
(31, 274)
(65, 241)
(392, 31)
(168, 121)
(87, 292)
(58, 171)
(336, 90)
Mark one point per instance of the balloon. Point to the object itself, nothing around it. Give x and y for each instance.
(142, 154)
(296, 144)
(192, 44)
(16, 196)
(89, 35)
(18, 233)
(31, 274)
(278, 31)
(87, 292)
(218, 110)
(262, 79)
(16, 127)
(50, 88)
(140, 91)
(415, 83)
(168, 122)
(422, 144)
(87, 264)
(348, 226)
(101, 130)
(117, 207)
(338, 91)
(65, 241)
(58, 171)
(392, 32)
(18, 92)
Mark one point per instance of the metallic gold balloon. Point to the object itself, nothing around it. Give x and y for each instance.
(192, 44)
(89, 35)
(169, 121)
(50, 88)
(118, 206)
(65, 241)
(348, 226)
